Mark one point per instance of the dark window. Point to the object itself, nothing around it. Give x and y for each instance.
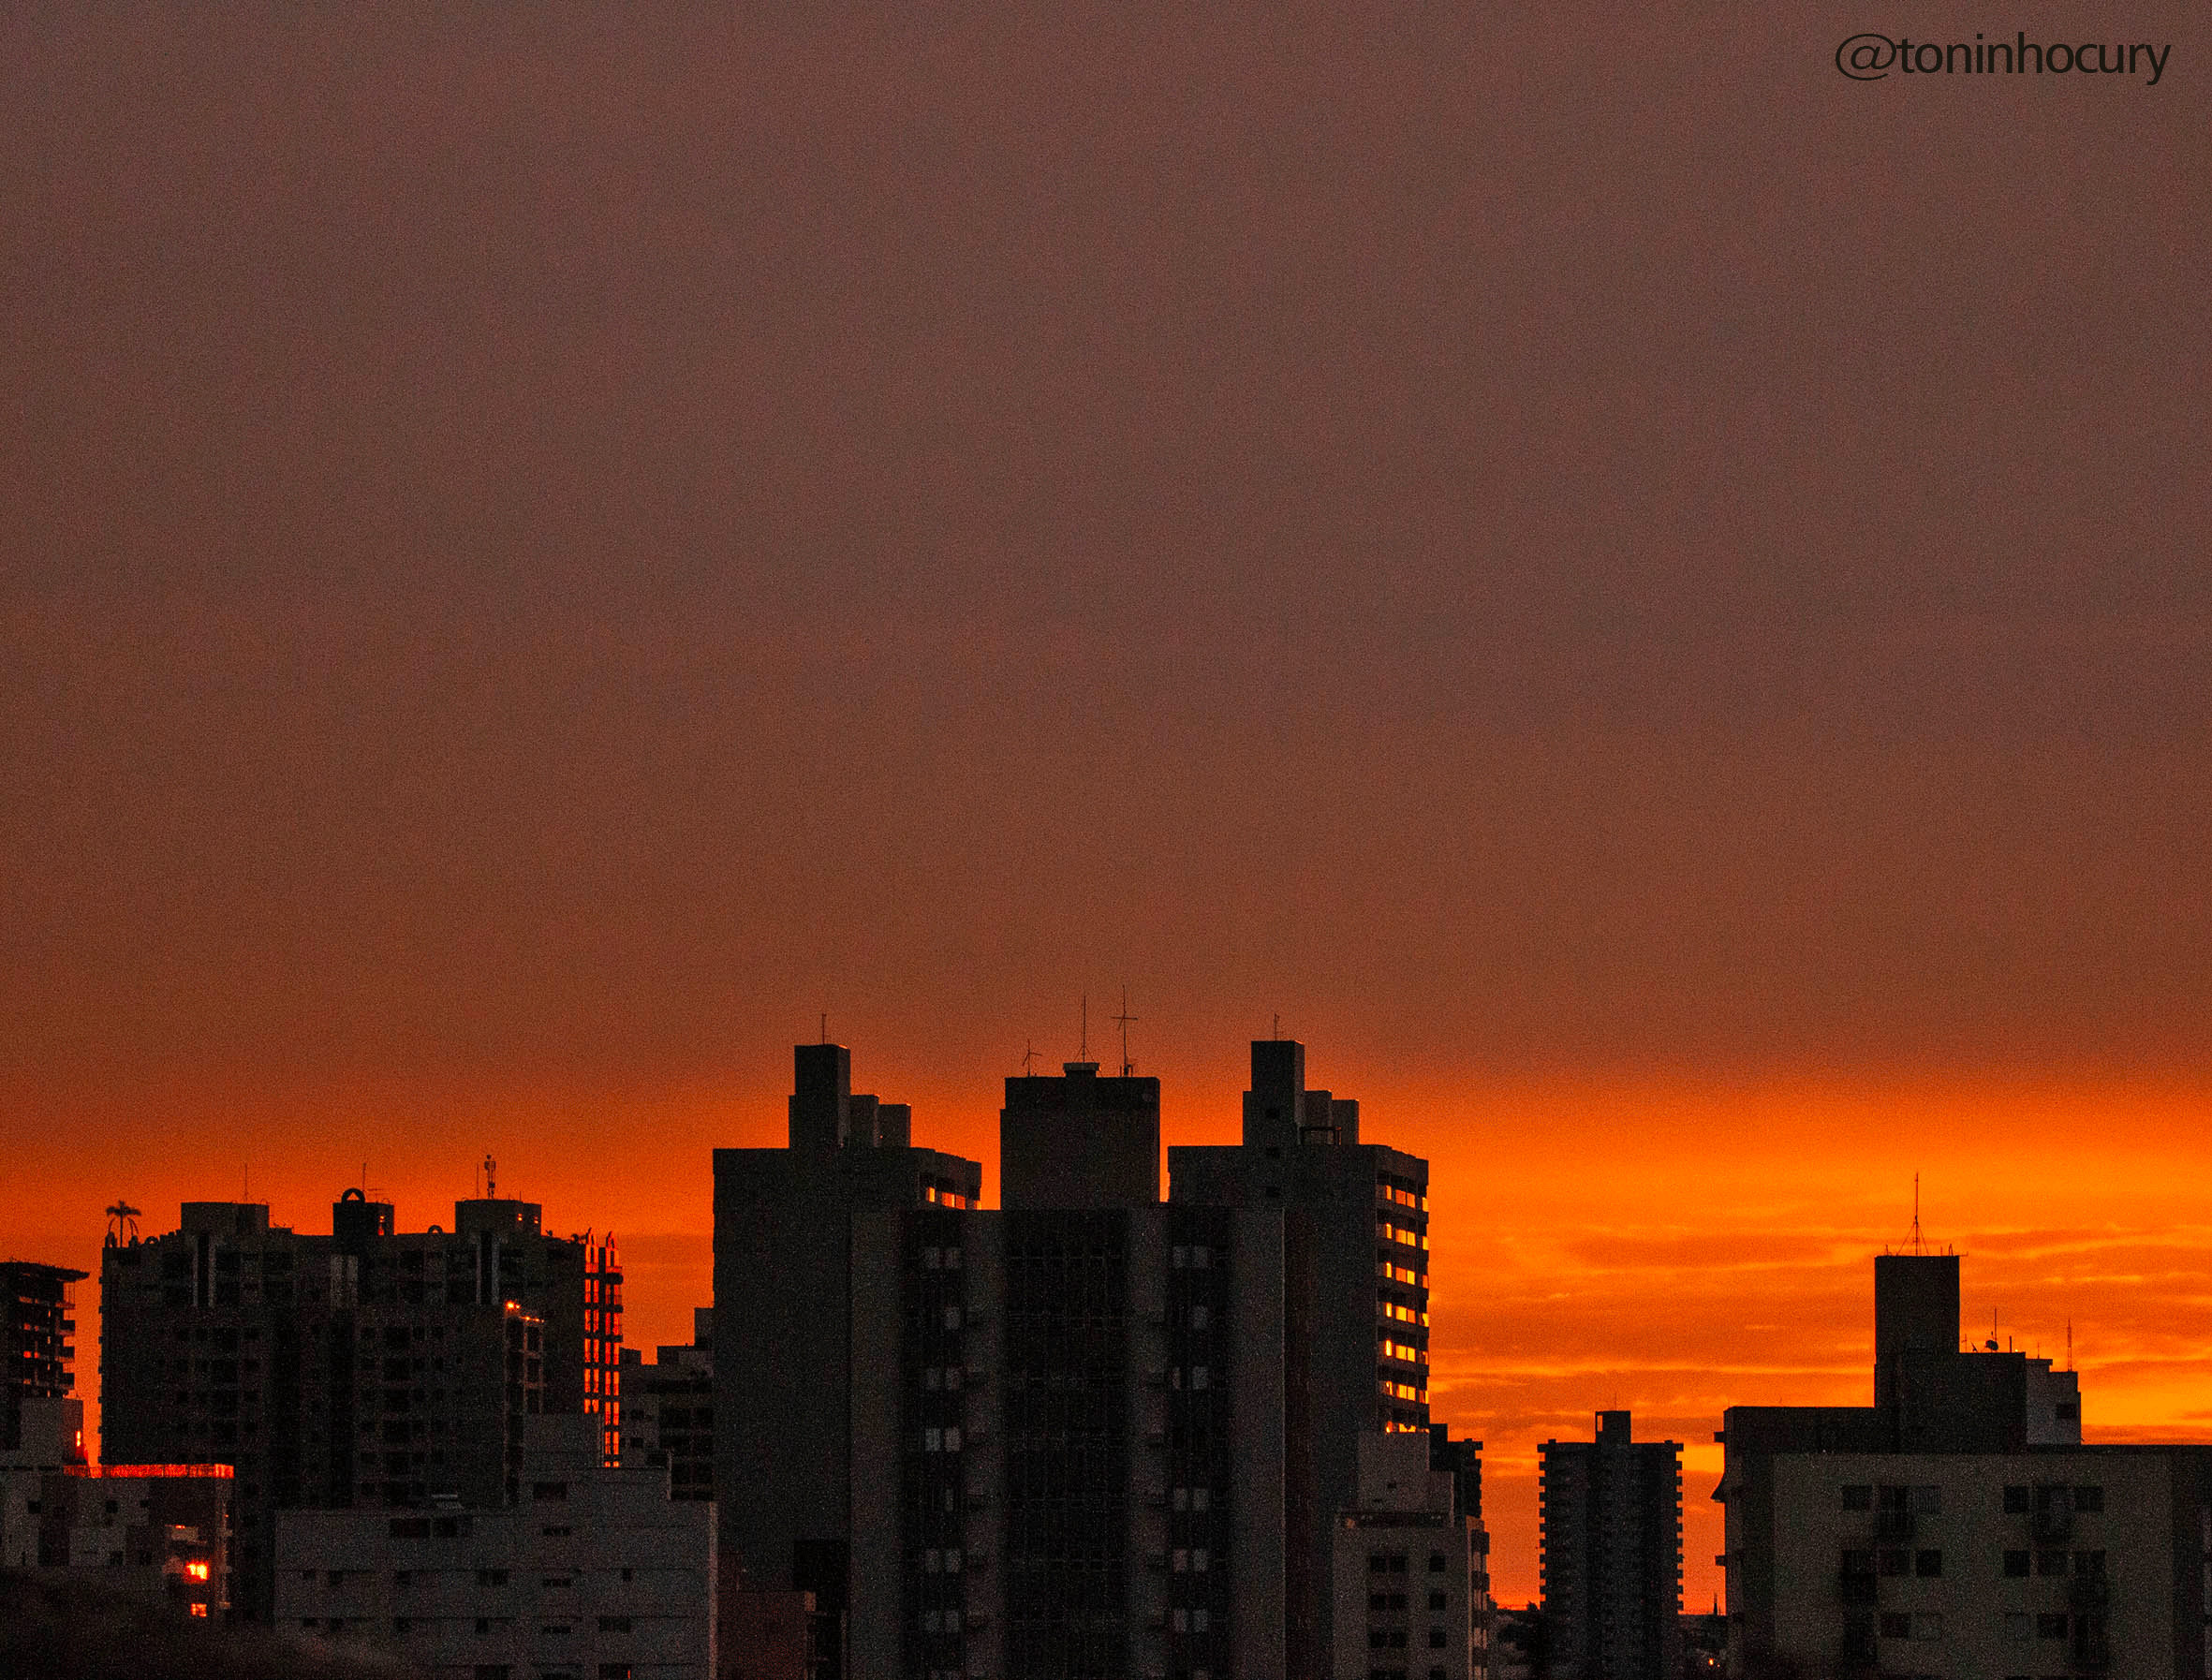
(2089, 1563)
(1435, 1601)
(2016, 1563)
(1927, 1563)
(549, 1490)
(1378, 1562)
(2089, 1499)
(614, 1671)
(1858, 1497)
(1436, 1639)
(1436, 1563)
(1894, 1563)
(1897, 1499)
(615, 1623)
(410, 1528)
(1895, 1625)
(2051, 1626)
(1397, 1566)
(1859, 1562)
(2050, 1563)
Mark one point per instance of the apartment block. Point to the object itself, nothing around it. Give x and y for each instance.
(1959, 1526)
(38, 1345)
(1409, 1565)
(592, 1574)
(367, 1368)
(1611, 1510)
(667, 1411)
(1356, 1235)
(158, 1530)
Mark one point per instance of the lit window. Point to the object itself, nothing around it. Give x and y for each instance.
(198, 1609)
(199, 1572)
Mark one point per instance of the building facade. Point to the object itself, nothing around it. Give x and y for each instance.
(1610, 1517)
(1959, 1526)
(364, 1368)
(1409, 1566)
(37, 1347)
(592, 1574)
(667, 1411)
(1356, 1234)
(158, 1530)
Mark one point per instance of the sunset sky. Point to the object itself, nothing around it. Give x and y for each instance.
(1652, 600)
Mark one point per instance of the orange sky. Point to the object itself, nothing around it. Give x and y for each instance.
(1649, 597)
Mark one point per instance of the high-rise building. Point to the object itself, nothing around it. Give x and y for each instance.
(38, 1319)
(1356, 1259)
(1959, 1525)
(1612, 1525)
(364, 1368)
(817, 1288)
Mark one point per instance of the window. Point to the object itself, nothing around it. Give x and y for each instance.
(1895, 1625)
(2089, 1563)
(491, 1577)
(1892, 1562)
(1435, 1601)
(1436, 1639)
(1858, 1497)
(549, 1490)
(2050, 1563)
(2015, 1499)
(2050, 1625)
(1436, 1563)
(2016, 1563)
(2089, 1499)
(1928, 1501)
(615, 1623)
(1926, 1564)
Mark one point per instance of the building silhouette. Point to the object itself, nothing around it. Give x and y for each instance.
(37, 1356)
(1958, 1525)
(1410, 1572)
(367, 1368)
(1356, 1300)
(591, 1571)
(1089, 1433)
(1611, 1525)
(667, 1409)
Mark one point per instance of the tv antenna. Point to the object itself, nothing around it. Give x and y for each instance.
(491, 1178)
(1127, 1067)
(825, 1026)
(1084, 1055)
(1029, 1058)
(1916, 1248)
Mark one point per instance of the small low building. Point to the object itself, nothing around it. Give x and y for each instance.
(592, 1574)
(1409, 1566)
(161, 1531)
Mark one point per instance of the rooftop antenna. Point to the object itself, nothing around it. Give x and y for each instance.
(2070, 1341)
(1085, 1054)
(1029, 1058)
(1127, 1067)
(825, 1026)
(1278, 1026)
(1916, 1212)
(491, 1178)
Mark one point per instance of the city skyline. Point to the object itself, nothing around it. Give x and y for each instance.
(1648, 596)
(1533, 1335)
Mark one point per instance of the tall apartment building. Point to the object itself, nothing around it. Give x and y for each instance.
(1041, 1441)
(364, 1368)
(38, 1319)
(593, 1574)
(1959, 1526)
(1612, 1520)
(1356, 1262)
(1411, 1564)
(816, 1246)
(667, 1409)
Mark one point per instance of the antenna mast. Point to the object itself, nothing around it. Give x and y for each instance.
(1029, 1058)
(1084, 1055)
(1127, 1067)
(1916, 1212)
